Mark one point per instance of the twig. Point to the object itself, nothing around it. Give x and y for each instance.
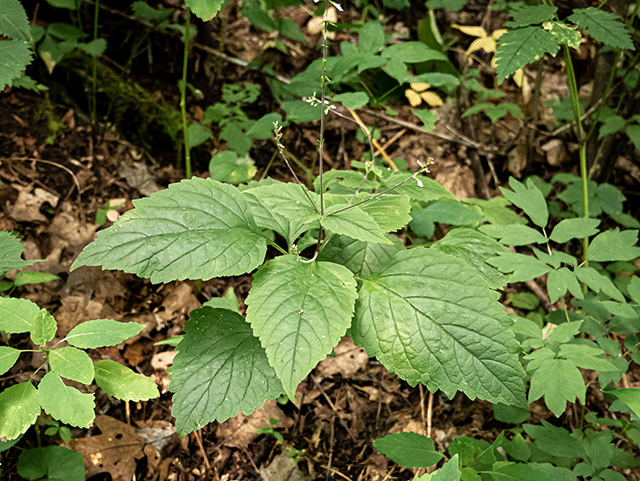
(204, 455)
(364, 128)
(429, 414)
(390, 142)
(424, 424)
(335, 471)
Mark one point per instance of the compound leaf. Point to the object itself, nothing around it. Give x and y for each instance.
(559, 381)
(529, 198)
(65, 403)
(195, 229)
(598, 282)
(299, 311)
(122, 383)
(556, 441)
(412, 450)
(576, 228)
(8, 357)
(531, 15)
(514, 235)
(17, 315)
(102, 333)
(523, 267)
(430, 318)
(603, 26)
(561, 280)
(72, 363)
(613, 245)
(519, 47)
(43, 327)
(220, 369)
(19, 409)
(361, 258)
(11, 250)
(629, 396)
(586, 357)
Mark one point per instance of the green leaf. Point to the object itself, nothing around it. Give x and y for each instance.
(450, 471)
(220, 368)
(43, 327)
(523, 267)
(408, 449)
(72, 363)
(205, 9)
(531, 15)
(577, 228)
(289, 200)
(413, 52)
(142, 9)
(559, 381)
(564, 34)
(503, 471)
(102, 333)
(17, 315)
(494, 112)
(518, 48)
(629, 396)
(228, 167)
(613, 245)
(361, 258)
(634, 289)
(555, 440)
(65, 403)
(33, 277)
(301, 111)
(474, 248)
(603, 26)
(11, 250)
(352, 100)
(263, 127)
(228, 301)
(53, 463)
(95, 48)
(586, 357)
(530, 199)
(633, 132)
(8, 357)
(396, 69)
(427, 117)
(354, 222)
(13, 21)
(598, 282)
(122, 383)
(371, 38)
(495, 211)
(288, 28)
(299, 311)
(413, 318)
(196, 229)
(19, 409)
(611, 125)
(420, 188)
(561, 280)
(453, 213)
(515, 235)
(198, 135)
(236, 139)
(389, 211)
(15, 55)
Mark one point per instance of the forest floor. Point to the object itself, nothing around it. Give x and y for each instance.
(56, 174)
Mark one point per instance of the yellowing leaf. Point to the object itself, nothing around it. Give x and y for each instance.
(413, 97)
(518, 77)
(497, 33)
(419, 86)
(431, 98)
(471, 30)
(487, 44)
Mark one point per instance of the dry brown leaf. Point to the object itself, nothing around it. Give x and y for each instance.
(241, 430)
(349, 360)
(114, 451)
(283, 468)
(28, 205)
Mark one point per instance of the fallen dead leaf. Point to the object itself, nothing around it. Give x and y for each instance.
(114, 451)
(162, 360)
(139, 177)
(241, 430)
(283, 468)
(349, 360)
(28, 205)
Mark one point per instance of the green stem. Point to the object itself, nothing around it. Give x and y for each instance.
(183, 97)
(94, 69)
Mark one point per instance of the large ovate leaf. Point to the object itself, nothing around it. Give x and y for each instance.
(11, 250)
(51, 463)
(390, 212)
(475, 248)
(65, 403)
(289, 200)
(420, 188)
(205, 9)
(19, 409)
(17, 315)
(603, 26)
(429, 317)
(8, 357)
(13, 21)
(519, 47)
(122, 383)
(299, 311)
(15, 55)
(195, 229)
(353, 222)
(361, 258)
(412, 450)
(220, 369)
(72, 363)
(102, 333)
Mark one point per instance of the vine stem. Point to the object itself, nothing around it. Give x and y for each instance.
(183, 96)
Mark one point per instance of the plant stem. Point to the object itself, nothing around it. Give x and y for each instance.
(322, 103)
(94, 69)
(183, 97)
